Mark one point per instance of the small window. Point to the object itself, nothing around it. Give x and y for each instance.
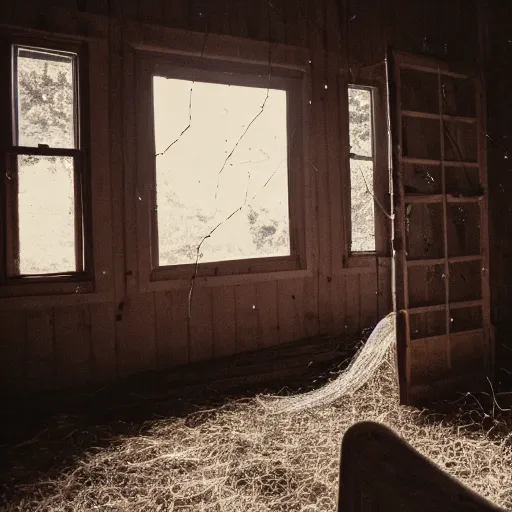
(221, 171)
(362, 165)
(44, 194)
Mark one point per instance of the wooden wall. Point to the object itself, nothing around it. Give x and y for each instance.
(499, 85)
(51, 342)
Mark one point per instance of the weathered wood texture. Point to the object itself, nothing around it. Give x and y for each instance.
(51, 347)
(499, 83)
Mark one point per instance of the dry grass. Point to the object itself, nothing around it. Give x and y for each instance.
(240, 458)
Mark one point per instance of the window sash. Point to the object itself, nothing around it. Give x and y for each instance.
(9, 250)
(245, 75)
(77, 132)
(12, 216)
(364, 158)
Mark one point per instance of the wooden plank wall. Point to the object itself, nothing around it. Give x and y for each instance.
(499, 84)
(69, 345)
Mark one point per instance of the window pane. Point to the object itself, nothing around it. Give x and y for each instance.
(361, 171)
(363, 216)
(360, 121)
(45, 98)
(46, 214)
(213, 170)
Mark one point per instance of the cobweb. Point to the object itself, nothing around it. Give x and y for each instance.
(360, 370)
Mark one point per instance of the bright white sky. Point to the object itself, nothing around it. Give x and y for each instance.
(190, 168)
(46, 220)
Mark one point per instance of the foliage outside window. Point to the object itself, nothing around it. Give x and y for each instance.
(362, 164)
(43, 187)
(221, 171)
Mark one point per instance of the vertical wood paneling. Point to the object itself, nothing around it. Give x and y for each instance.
(180, 337)
(357, 35)
(134, 197)
(384, 288)
(267, 313)
(72, 346)
(263, 28)
(292, 27)
(352, 303)
(199, 15)
(310, 294)
(277, 20)
(253, 18)
(128, 9)
(224, 321)
(103, 342)
(96, 6)
(499, 84)
(171, 309)
(24, 13)
(339, 304)
(201, 325)
(247, 331)
(368, 300)
(334, 137)
(136, 335)
(117, 166)
(39, 349)
(151, 11)
(216, 17)
(374, 16)
(6, 12)
(291, 310)
(175, 13)
(100, 166)
(317, 156)
(227, 18)
(12, 351)
(238, 16)
(164, 329)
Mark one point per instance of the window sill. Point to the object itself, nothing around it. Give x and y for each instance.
(363, 263)
(224, 280)
(227, 268)
(27, 287)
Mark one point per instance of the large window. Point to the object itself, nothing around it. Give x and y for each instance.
(362, 165)
(221, 174)
(44, 223)
(219, 147)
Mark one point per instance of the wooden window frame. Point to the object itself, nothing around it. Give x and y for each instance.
(150, 63)
(88, 284)
(368, 259)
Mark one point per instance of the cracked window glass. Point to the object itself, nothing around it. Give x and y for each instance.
(221, 170)
(361, 170)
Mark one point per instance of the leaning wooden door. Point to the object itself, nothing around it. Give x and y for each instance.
(441, 235)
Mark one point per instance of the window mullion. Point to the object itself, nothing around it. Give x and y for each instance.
(354, 156)
(12, 249)
(44, 151)
(5, 163)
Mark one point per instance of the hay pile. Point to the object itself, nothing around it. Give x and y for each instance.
(240, 458)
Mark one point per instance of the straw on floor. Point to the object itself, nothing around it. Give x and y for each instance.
(240, 457)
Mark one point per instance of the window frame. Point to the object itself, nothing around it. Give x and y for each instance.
(81, 280)
(380, 176)
(373, 159)
(149, 64)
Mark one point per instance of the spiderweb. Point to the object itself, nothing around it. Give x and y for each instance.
(360, 370)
